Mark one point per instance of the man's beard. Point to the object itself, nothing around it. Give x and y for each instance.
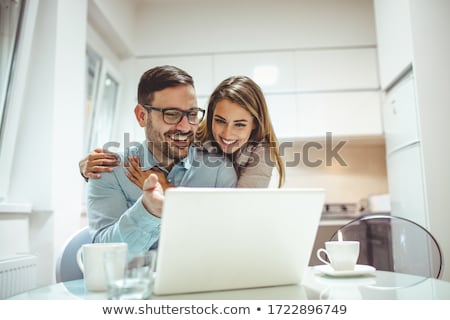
(174, 154)
(165, 151)
(162, 146)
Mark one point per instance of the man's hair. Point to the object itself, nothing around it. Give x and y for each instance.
(160, 78)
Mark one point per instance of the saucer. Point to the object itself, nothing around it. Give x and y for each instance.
(360, 270)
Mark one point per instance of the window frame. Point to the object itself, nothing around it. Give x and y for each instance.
(9, 59)
(106, 69)
(15, 94)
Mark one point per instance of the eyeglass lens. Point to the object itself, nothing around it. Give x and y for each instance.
(173, 116)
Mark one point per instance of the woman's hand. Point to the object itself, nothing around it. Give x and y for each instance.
(96, 162)
(138, 177)
(134, 172)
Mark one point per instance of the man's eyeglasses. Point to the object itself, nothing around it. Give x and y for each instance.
(174, 116)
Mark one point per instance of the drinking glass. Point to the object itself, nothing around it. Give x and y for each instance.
(134, 279)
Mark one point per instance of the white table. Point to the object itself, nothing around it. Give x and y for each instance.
(382, 285)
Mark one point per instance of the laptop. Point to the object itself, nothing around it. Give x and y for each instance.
(228, 238)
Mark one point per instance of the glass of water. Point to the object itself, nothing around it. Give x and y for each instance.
(133, 279)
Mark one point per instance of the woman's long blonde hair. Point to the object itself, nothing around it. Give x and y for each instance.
(245, 92)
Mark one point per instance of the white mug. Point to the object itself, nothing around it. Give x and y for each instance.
(90, 259)
(342, 254)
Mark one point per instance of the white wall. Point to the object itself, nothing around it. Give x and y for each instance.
(183, 27)
(50, 133)
(114, 20)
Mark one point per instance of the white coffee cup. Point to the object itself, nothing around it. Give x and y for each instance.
(342, 254)
(90, 259)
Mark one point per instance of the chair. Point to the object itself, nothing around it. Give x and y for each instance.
(396, 244)
(66, 265)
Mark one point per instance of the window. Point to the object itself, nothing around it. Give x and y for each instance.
(10, 17)
(102, 89)
(93, 67)
(103, 116)
(17, 20)
(101, 100)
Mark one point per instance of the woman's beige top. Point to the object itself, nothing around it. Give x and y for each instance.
(254, 166)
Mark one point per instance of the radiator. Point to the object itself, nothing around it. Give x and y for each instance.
(17, 274)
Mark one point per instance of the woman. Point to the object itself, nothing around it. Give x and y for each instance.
(237, 124)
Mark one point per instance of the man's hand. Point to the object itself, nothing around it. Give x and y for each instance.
(153, 195)
(97, 161)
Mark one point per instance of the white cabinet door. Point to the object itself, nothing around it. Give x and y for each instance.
(283, 113)
(309, 92)
(400, 115)
(394, 38)
(343, 69)
(406, 184)
(272, 71)
(199, 67)
(342, 114)
(313, 115)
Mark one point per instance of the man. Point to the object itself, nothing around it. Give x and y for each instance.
(118, 210)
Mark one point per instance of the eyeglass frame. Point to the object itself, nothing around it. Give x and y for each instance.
(183, 113)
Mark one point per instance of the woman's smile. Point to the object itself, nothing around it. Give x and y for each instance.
(232, 126)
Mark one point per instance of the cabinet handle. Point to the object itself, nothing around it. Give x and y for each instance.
(394, 109)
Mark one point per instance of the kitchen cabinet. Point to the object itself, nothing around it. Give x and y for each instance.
(392, 19)
(315, 91)
(401, 125)
(272, 70)
(283, 113)
(312, 115)
(406, 184)
(200, 67)
(346, 69)
(401, 110)
(308, 92)
(414, 36)
(404, 152)
(346, 114)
